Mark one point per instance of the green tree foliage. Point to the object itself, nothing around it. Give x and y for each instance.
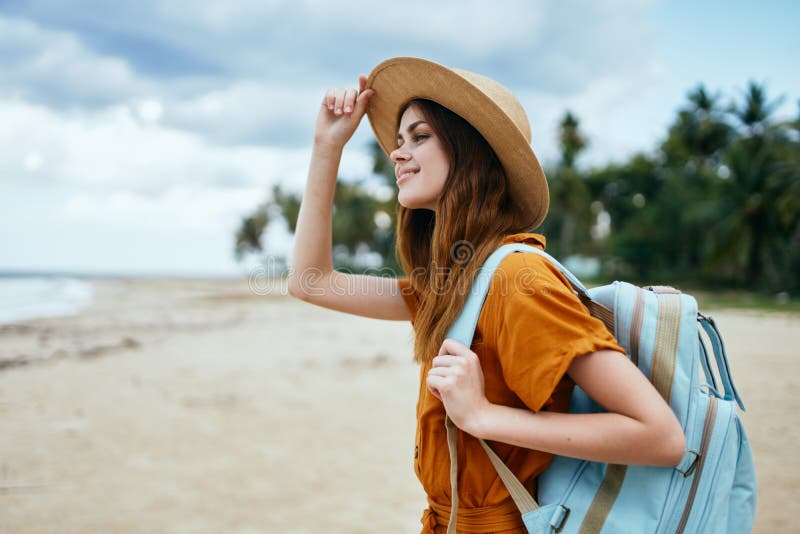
(248, 237)
(362, 222)
(627, 193)
(752, 230)
(720, 197)
(288, 205)
(658, 203)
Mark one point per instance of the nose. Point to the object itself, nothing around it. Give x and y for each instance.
(398, 154)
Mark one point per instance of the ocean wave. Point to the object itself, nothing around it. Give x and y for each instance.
(29, 297)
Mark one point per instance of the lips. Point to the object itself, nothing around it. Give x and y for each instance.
(405, 175)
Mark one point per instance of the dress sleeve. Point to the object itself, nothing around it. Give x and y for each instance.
(409, 297)
(540, 327)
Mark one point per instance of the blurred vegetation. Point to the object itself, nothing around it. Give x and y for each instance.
(716, 205)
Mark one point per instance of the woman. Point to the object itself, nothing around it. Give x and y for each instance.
(469, 182)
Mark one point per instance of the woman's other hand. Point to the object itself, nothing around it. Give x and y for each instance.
(341, 112)
(456, 379)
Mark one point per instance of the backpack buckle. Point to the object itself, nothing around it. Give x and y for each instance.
(689, 470)
(669, 290)
(558, 518)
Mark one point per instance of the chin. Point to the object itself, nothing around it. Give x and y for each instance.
(414, 203)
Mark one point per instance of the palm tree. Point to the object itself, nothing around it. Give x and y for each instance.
(571, 140)
(359, 219)
(287, 204)
(756, 111)
(700, 133)
(570, 216)
(749, 224)
(248, 237)
(682, 188)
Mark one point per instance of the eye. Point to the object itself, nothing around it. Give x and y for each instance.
(416, 138)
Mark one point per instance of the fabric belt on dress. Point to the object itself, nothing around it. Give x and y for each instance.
(474, 520)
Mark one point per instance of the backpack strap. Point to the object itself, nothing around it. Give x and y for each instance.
(524, 500)
(463, 330)
(704, 361)
(710, 327)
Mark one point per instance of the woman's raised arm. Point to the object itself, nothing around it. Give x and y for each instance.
(312, 277)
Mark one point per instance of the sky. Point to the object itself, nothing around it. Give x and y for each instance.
(135, 135)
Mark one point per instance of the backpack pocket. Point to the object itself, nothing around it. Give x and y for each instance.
(707, 502)
(742, 506)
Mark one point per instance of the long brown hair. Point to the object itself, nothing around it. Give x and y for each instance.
(442, 251)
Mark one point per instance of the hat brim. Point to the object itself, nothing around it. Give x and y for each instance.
(398, 80)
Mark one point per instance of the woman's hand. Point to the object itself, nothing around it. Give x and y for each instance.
(456, 379)
(341, 112)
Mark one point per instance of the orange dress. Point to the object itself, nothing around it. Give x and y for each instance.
(530, 329)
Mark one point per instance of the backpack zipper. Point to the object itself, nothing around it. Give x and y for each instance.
(636, 326)
(708, 427)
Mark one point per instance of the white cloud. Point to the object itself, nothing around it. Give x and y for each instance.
(54, 67)
(181, 208)
(33, 161)
(619, 115)
(150, 110)
(475, 27)
(105, 190)
(113, 148)
(248, 111)
(278, 57)
(547, 43)
(185, 229)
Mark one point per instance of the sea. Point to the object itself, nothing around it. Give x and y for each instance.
(32, 295)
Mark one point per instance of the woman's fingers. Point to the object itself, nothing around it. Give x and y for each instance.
(329, 99)
(445, 371)
(437, 384)
(362, 101)
(452, 349)
(350, 100)
(344, 101)
(451, 346)
(434, 392)
(447, 360)
(339, 101)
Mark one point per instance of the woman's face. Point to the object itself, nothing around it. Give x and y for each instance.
(420, 162)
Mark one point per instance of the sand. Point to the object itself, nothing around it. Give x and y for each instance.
(218, 406)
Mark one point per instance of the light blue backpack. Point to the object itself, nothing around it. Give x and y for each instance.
(712, 489)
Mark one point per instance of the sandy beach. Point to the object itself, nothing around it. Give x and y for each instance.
(189, 406)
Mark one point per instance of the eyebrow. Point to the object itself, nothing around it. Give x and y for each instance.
(410, 128)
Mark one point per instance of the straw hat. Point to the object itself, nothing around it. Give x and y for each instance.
(488, 106)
